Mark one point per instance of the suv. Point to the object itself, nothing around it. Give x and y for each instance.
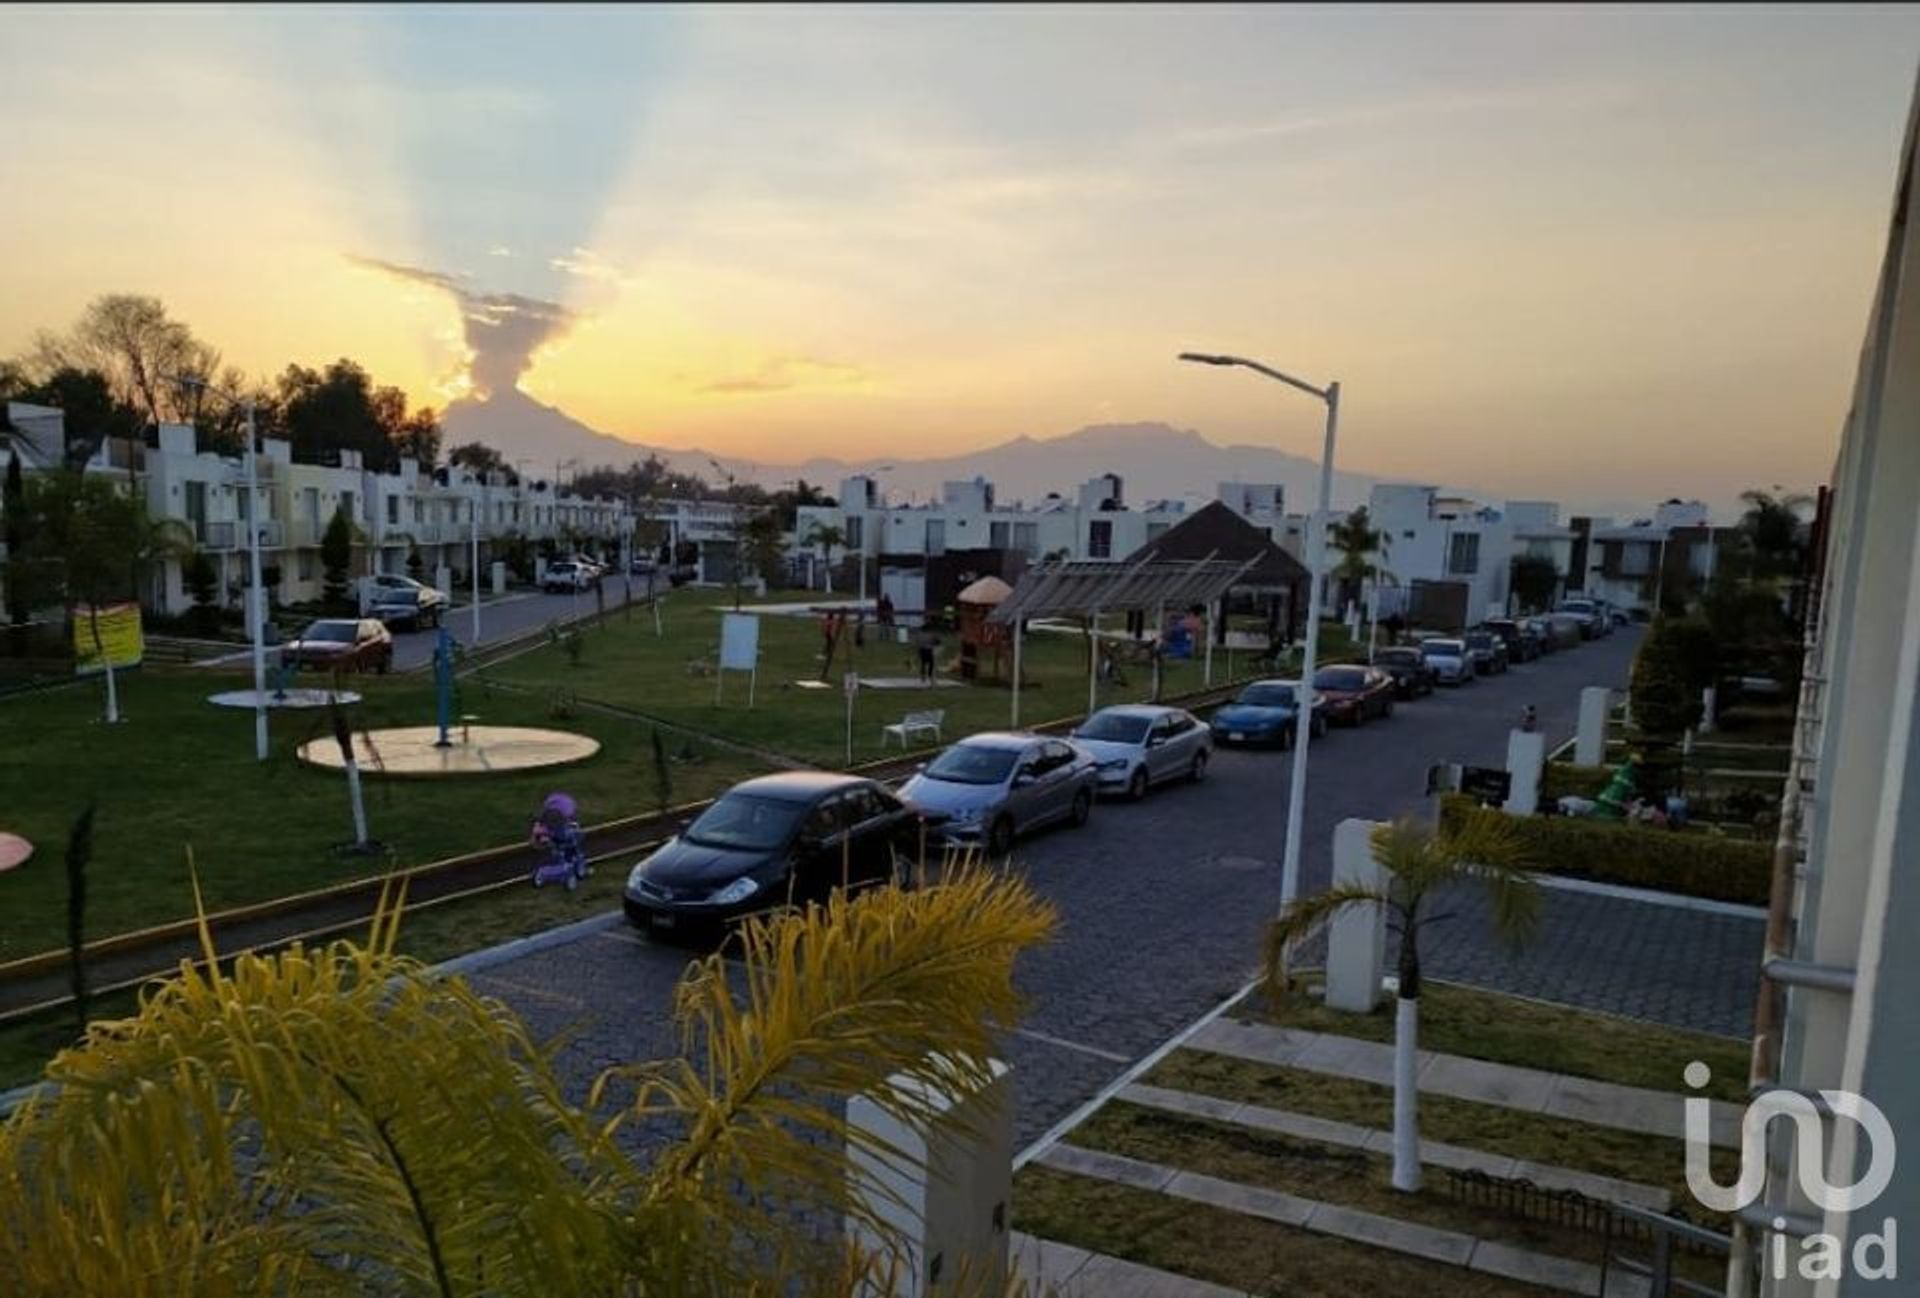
(1521, 640)
(1412, 676)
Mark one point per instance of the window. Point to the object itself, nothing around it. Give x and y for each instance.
(999, 535)
(1026, 538)
(346, 503)
(1463, 554)
(197, 507)
(1636, 558)
(307, 565)
(1100, 539)
(393, 511)
(936, 536)
(855, 528)
(1156, 530)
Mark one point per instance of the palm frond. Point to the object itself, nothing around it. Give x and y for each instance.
(1482, 845)
(892, 995)
(1300, 919)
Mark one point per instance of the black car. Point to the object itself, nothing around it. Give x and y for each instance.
(772, 841)
(1522, 642)
(411, 610)
(1411, 674)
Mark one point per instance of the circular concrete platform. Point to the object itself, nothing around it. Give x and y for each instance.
(14, 850)
(301, 698)
(475, 750)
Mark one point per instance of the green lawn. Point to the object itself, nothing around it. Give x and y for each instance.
(1534, 1034)
(1241, 1252)
(625, 664)
(180, 773)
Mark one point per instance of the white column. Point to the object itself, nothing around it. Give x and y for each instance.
(1357, 938)
(1014, 720)
(1590, 742)
(1526, 756)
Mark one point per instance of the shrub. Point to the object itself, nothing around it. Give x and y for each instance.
(1565, 780)
(1692, 863)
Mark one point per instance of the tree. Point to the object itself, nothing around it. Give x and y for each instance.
(828, 536)
(1774, 532)
(342, 1120)
(203, 585)
(140, 350)
(16, 528)
(477, 458)
(1481, 848)
(336, 558)
(1664, 700)
(1356, 541)
(1534, 581)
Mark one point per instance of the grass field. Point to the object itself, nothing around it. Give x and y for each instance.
(180, 773)
(624, 663)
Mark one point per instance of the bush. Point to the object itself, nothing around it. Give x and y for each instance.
(1692, 863)
(1565, 780)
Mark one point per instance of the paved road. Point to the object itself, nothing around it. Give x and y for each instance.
(1161, 906)
(515, 615)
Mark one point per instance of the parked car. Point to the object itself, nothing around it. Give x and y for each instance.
(1449, 660)
(1568, 629)
(1353, 693)
(340, 644)
(1545, 641)
(593, 567)
(565, 575)
(1140, 745)
(1486, 651)
(1587, 614)
(990, 787)
(386, 583)
(1411, 673)
(1265, 712)
(1522, 642)
(410, 609)
(769, 842)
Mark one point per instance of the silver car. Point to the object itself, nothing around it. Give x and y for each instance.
(988, 788)
(1451, 662)
(1140, 745)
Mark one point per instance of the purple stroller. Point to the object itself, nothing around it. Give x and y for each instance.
(557, 828)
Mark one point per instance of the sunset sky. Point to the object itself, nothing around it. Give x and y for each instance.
(1552, 252)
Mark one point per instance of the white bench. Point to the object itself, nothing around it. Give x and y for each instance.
(914, 723)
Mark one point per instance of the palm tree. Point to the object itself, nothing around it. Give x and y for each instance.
(1357, 541)
(342, 1120)
(827, 536)
(1479, 847)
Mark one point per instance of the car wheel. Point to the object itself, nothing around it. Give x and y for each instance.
(1198, 771)
(1137, 785)
(1000, 837)
(1082, 807)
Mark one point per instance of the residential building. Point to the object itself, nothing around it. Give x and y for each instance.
(1836, 1013)
(438, 514)
(1431, 537)
(1273, 583)
(1636, 566)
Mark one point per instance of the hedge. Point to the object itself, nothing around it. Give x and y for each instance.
(1566, 780)
(1690, 862)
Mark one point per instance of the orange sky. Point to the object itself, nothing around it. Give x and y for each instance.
(1549, 251)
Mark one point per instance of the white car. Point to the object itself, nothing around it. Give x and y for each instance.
(431, 601)
(1136, 746)
(565, 575)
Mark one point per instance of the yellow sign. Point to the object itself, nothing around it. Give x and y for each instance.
(119, 632)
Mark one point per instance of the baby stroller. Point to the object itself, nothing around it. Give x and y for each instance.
(557, 829)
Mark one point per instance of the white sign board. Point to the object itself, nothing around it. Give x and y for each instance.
(739, 641)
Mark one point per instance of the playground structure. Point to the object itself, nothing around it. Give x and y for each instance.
(980, 636)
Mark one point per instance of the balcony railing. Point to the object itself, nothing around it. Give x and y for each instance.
(213, 536)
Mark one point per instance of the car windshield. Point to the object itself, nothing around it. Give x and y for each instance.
(1479, 640)
(1340, 678)
(1442, 648)
(1114, 727)
(1267, 696)
(972, 764)
(1398, 657)
(403, 596)
(330, 632)
(746, 821)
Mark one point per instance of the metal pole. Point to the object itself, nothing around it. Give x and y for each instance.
(473, 516)
(1093, 662)
(1013, 722)
(1303, 699)
(1208, 631)
(256, 595)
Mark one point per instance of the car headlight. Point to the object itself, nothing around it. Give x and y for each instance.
(636, 874)
(1114, 764)
(964, 815)
(739, 890)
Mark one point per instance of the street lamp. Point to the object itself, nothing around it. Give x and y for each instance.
(1317, 563)
(256, 610)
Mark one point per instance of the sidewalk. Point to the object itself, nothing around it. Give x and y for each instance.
(1062, 1271)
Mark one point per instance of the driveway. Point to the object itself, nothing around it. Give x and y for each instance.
(516, 614)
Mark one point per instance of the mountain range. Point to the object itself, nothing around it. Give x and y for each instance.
(1155, 461)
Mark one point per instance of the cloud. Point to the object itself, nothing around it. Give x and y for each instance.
(588, 264)
(784, 373)
(499, 250)
(503, 330)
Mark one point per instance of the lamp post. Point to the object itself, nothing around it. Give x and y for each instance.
(256, 611)
(1317, 563)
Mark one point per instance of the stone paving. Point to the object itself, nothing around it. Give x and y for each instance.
(1162, 903)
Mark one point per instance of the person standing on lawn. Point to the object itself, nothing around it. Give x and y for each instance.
(926, 641)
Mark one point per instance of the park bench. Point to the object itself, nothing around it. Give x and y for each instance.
(914, 723)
